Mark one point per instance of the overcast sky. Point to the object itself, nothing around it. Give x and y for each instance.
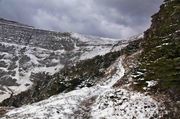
(106, 18)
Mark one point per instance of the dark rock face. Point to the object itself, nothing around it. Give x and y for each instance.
(161, 55)
(160, 59)
(25, 51)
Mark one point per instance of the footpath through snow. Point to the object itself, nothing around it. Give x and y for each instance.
(99, 101)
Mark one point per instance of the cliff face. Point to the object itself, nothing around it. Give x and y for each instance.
(160, 59)
(161, 48)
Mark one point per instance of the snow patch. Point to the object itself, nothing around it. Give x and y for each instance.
(151, 83)
(95, 51)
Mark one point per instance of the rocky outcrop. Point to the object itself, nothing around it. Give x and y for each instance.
(158, 71)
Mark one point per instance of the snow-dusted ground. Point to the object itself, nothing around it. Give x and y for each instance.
(124, 104)
(106, 102)
(23, 69)
(24, 60)
(25, 50)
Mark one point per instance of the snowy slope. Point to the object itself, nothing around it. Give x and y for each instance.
(95, 45)
(25, 51)
(99, 101)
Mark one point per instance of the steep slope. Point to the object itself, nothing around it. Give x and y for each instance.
(158, 71)
(161, 51)
(98, 101)
(161, 47)
(83, 74)
(26, 51)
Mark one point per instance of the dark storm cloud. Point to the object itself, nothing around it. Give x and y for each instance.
(107, 18)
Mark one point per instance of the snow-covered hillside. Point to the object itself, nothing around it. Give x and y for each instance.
(25, 51)
(99, 101)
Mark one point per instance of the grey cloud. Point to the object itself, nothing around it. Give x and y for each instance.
(107, 18)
